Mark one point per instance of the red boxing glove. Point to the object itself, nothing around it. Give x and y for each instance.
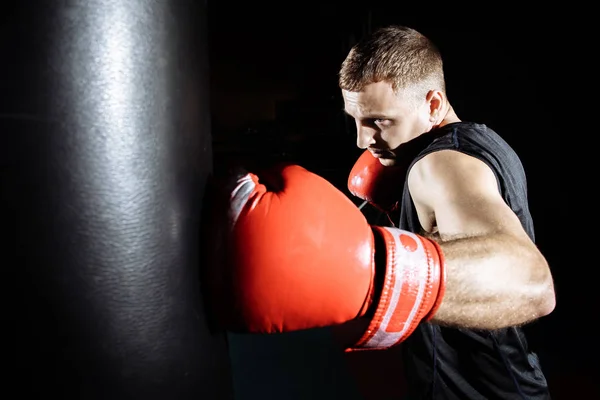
(301, 255)
(379, 185)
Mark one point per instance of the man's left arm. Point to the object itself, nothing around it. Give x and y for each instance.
(495, 275)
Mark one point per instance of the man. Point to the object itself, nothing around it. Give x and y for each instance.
(464, 187)
(451, 282)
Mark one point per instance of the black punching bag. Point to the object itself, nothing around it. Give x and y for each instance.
(104, 156)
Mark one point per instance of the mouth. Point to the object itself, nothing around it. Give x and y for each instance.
(379, 153)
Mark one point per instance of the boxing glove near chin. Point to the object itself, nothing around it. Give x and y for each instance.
(299, 254)
(379, 185)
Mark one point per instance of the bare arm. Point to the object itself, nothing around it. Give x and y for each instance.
(496, 276)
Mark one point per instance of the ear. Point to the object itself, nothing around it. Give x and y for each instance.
(435, 98)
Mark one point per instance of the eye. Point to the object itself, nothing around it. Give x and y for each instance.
(382, 122)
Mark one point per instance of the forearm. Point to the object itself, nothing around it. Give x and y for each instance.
(493, 282)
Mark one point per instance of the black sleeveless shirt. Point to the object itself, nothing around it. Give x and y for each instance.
(459, 364)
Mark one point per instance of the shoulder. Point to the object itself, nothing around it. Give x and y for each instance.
(447, 164)
(450, 173)
(465, 147)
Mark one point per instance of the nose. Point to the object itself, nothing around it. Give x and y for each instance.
(364, 136)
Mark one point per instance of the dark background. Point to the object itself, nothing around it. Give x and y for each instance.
(274, 94)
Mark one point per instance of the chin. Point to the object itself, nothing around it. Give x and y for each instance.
(387, 162)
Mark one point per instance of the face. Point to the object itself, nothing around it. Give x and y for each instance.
(386, 119)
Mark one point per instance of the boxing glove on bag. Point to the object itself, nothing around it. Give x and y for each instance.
(298, 254)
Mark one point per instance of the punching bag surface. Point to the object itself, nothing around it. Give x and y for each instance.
(105, 152)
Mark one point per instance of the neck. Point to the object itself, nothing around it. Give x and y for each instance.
(447, 117)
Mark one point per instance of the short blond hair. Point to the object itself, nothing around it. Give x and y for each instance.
(398, 55)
